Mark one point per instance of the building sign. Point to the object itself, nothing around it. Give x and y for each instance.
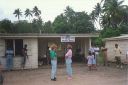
(67, 38)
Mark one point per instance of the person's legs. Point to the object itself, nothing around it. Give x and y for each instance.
(23, 62)
(69, 67)
(106, 61)
(11, 62)
(54, 67)
(89, 67)
(94, 64)
(8, 63)
(117, 60)
(120, 64)
(96, 57)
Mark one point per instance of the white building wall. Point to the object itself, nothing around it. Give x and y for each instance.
(123, 44)
(2, 52)
(32, 61)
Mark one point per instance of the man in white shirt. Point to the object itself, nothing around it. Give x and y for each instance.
(96, 49)
(91, 49)
(118, 52)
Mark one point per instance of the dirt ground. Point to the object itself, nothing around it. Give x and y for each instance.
(81, 76)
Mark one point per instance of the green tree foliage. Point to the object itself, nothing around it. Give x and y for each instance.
(113, 11)
(96, 13)
(109, 32)
(60, 24)
(22, 27)
(97, 41)
(83, 23)
(113, 17)
(48, 28)
(37, 25)
(6, 26)
(73, 22)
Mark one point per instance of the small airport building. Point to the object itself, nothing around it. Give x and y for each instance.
(38, 45)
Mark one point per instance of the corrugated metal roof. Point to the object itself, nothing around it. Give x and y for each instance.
(37, 35)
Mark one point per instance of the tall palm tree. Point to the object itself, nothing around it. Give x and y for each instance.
(17, 13)
(28, 13)
(112, 11)
(36, 12)
(96, 13)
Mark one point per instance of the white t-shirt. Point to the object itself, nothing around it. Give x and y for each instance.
(117, 51)
(91, 50)
(96, 50)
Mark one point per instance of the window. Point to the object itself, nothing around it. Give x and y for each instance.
(9, 43)
(16, 45)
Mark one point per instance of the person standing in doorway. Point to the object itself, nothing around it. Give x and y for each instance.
(53, 57)
(96, 53)
(92, 50)
(104, 52)
(9, 60)
(68, 58)
(25, 56)
(118, 52)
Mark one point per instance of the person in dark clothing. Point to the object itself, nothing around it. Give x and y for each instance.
(25, 56)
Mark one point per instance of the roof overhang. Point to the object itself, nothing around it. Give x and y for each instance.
(123, 37)
(36, 35)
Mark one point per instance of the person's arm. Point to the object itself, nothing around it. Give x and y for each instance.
(66, 55)
(27, 53)
(69, 53)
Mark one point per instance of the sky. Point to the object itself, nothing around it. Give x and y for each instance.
(49, 8)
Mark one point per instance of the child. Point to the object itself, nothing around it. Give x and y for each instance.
(90, 61)
(94, 62)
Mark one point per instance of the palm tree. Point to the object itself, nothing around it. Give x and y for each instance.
(96, 13)
(17, 13)
(28, 13)
(36, 11)
(113, 12)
